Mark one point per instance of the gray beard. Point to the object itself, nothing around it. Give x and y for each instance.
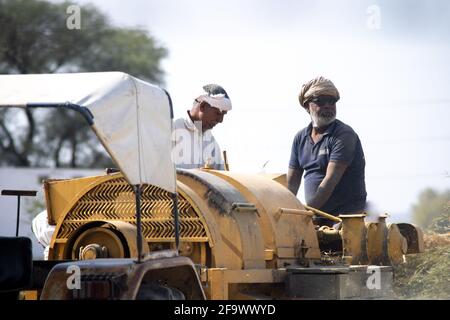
(321, 121)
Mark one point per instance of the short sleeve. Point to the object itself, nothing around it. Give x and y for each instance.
(293, 162)
(343, 148)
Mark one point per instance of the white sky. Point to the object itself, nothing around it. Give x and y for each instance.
(394, 81)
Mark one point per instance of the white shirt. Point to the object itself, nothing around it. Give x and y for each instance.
(43, 231)
(193, 148)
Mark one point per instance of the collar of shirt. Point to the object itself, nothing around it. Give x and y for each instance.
(329, 130)
(190, 125)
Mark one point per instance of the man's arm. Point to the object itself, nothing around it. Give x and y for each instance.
(335, 170)
(294, 178)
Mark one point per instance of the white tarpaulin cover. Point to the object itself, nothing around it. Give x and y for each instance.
(132, 118)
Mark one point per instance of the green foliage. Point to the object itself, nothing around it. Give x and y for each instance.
(34, 38)
(441, 224)
(431, 205)
(425, 275)
(126, 49)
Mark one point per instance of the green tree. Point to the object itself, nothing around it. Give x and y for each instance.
(441, 224)
(432, 208)
(34, 38)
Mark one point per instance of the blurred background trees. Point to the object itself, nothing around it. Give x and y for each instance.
(432, 210)
(34, 38)
(425, 275)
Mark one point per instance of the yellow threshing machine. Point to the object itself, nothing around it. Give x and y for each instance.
(143, 229)
(248, 235)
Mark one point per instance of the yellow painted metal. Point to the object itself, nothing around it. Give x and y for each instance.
(282, 211)
(238, 239)
(61, 194)
(377, 233)
(270, 230)
(217, 288)
(202, 210)
(110, 198)
(396, 243)
(106, 240)
(323, 214)
(129, 233)
(28, 295)
(354, 238)
(269, 254)
(220, 279)
(196, 251)
(284, 234)
(385, 243)
(255, 276)
(227, 250)
(414, 237)
(263, 229)
(117, 237)
(281, 178)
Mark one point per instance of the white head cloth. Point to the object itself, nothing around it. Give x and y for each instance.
(215, 96)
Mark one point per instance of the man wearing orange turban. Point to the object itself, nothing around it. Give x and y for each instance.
(329, 154)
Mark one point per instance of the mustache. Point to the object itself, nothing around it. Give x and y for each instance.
(323, 118)
(326, 114)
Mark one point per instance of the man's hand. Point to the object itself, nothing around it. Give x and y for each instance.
(335, 170)
(294, 178)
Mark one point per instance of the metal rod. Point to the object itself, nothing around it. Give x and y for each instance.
(176, 220)
(138, 222)
(323, 214)
(18, 194)
(18, 215)
(85, 112)
(299, 212)
(225, 159)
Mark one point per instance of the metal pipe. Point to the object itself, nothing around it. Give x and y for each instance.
(282, 211)
(176, 220)
(225, 159)
(18, 215)
(323, 214)
(138, 222)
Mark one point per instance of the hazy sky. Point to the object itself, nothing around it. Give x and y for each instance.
(389, 60)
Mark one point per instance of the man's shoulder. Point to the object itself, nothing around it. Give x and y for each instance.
(179, 123)
(301, 134)
(343, 128)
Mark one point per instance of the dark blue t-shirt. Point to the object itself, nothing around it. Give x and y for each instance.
(341, 144)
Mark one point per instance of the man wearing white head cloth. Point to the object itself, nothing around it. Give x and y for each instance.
(329, 154)
(195, 146)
